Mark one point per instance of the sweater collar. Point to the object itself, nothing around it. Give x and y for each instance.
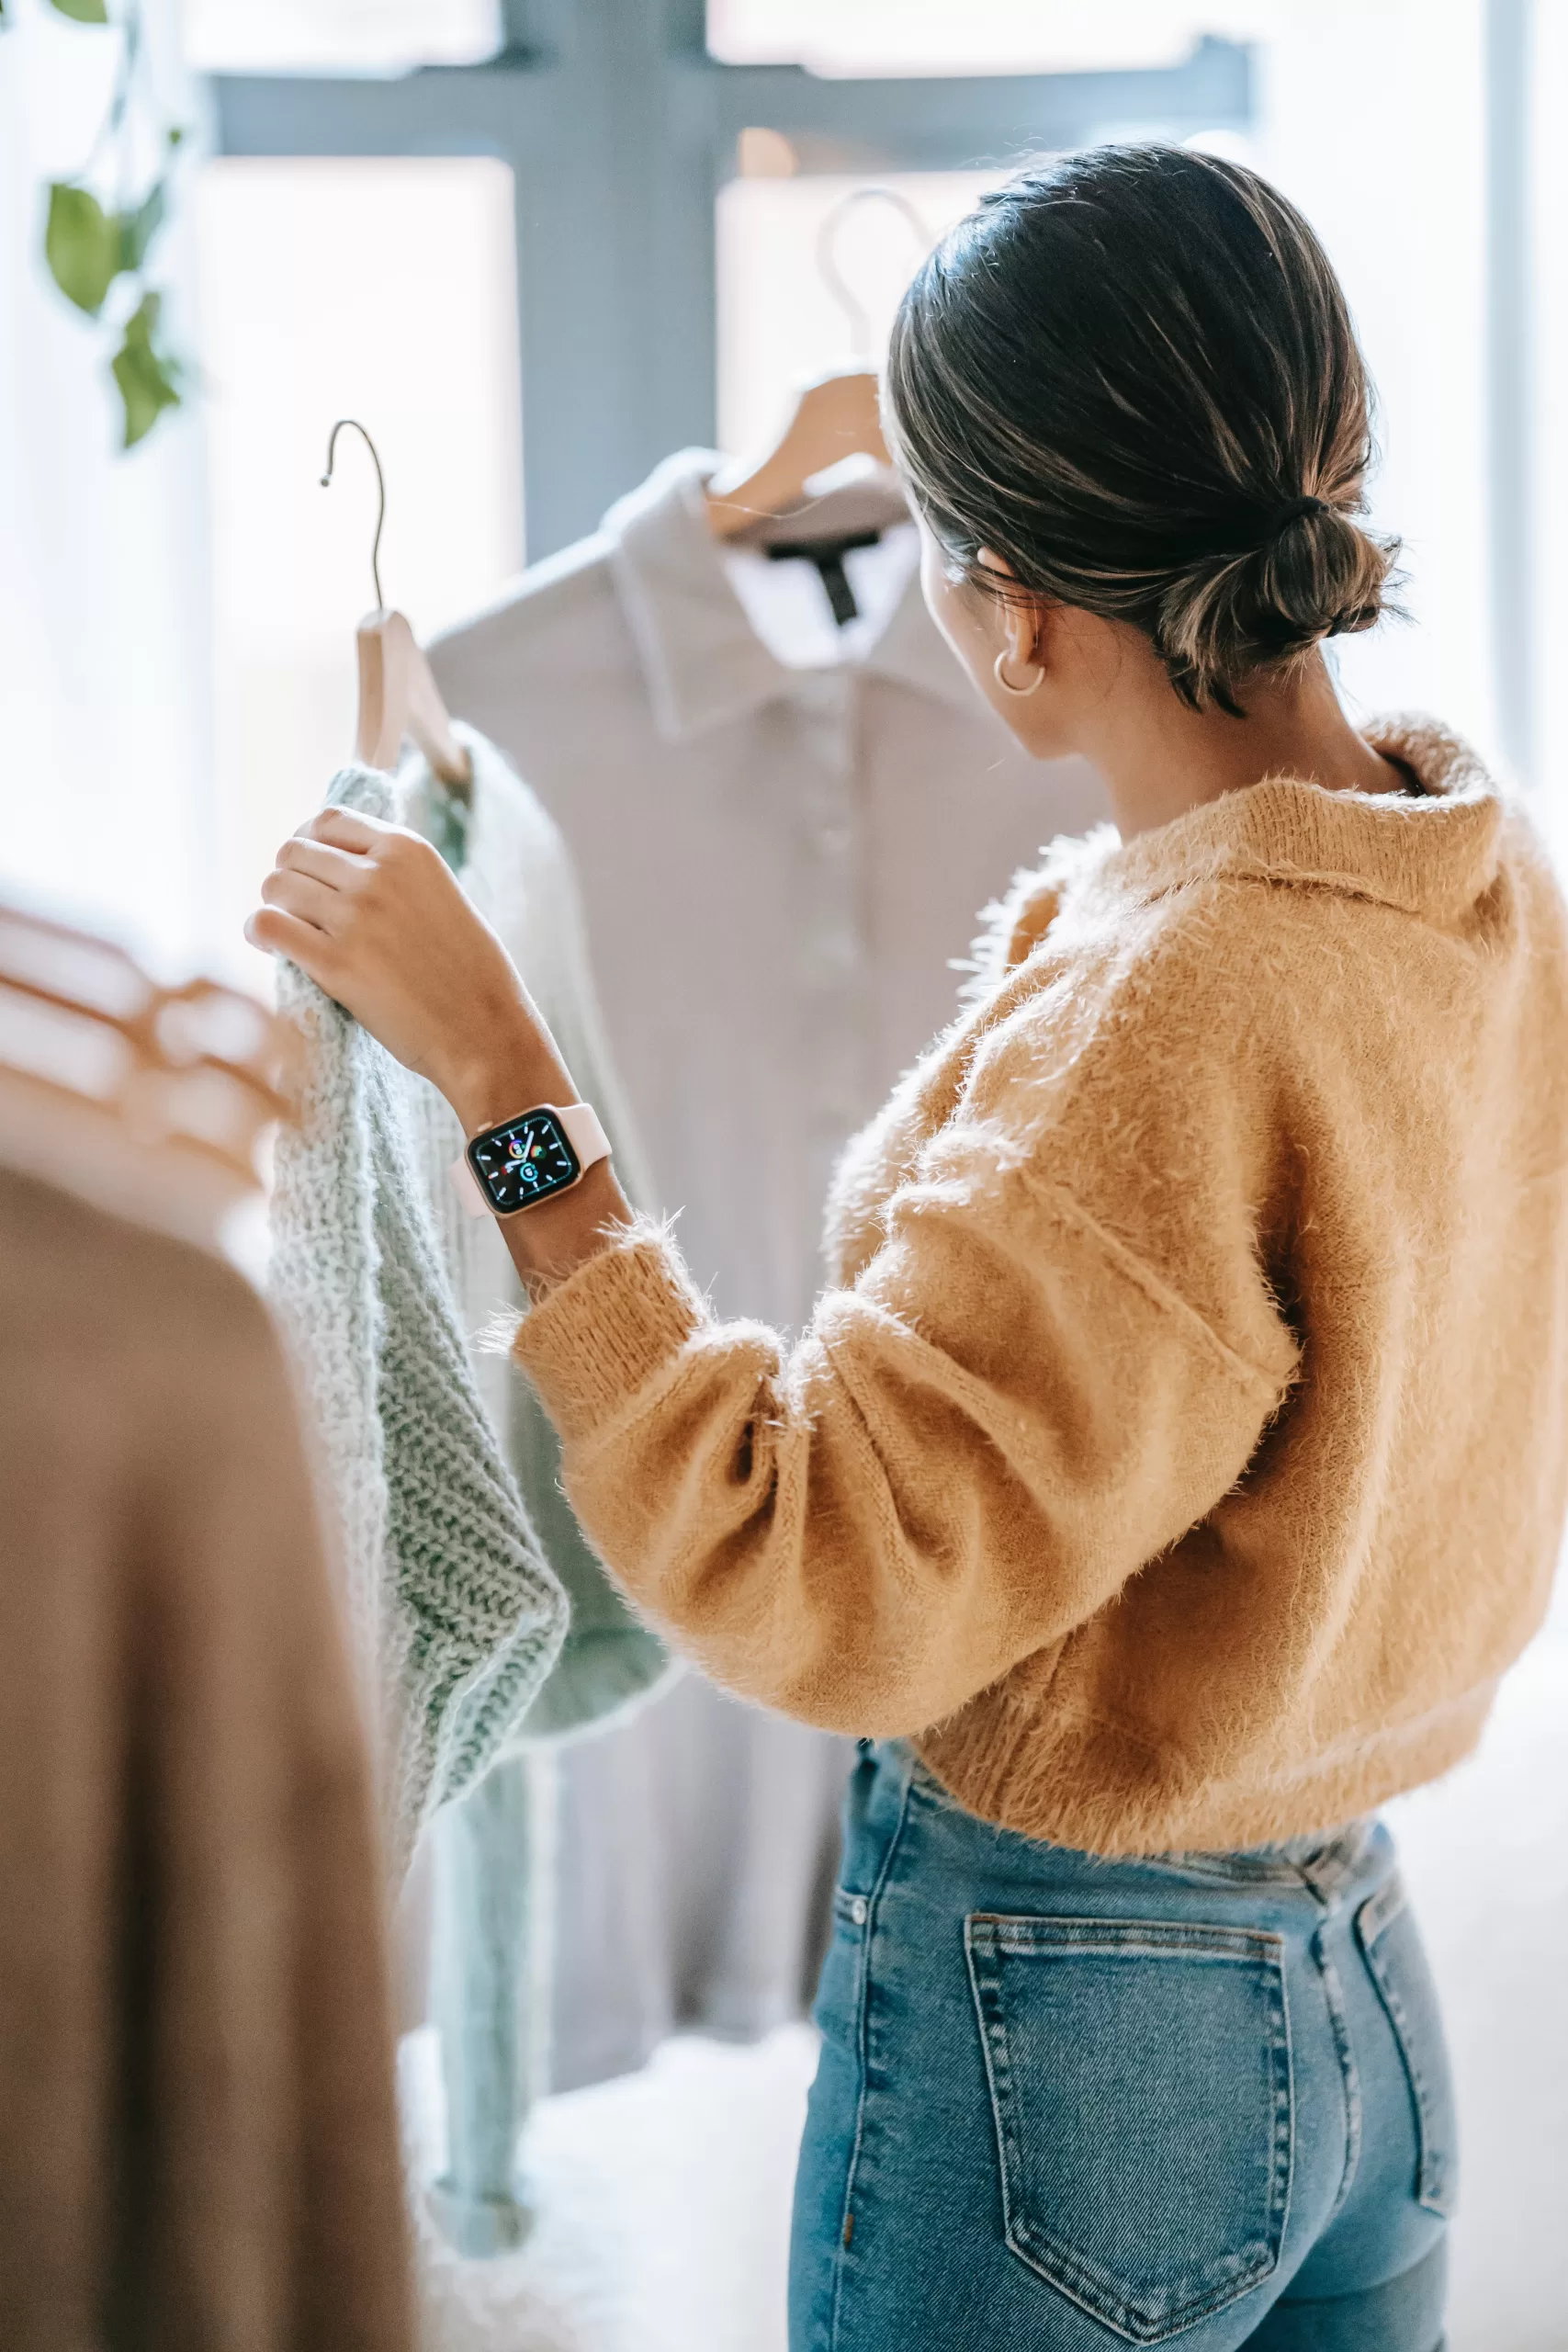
(704, 661)
(1432, 855)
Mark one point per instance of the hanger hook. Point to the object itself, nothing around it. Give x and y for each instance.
(833, 277)
(381, 494)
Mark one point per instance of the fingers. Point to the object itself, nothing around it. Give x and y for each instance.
(276, 932)
(364, 847)
(338, 869)
(346, 827)
(303, 896)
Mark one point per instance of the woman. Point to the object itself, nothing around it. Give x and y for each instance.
(1173, 1468)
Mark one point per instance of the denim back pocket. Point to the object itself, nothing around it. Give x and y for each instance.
(1392, 1946)
(1140, 2077)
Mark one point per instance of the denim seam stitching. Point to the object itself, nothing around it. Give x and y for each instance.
(862, 2053)
(1336, 1867)
(1340, 2025)
(924, 1783)
(1093, 2291)
(1077, 1931)
(1428, 2192)
(1284, 2110)
(1219, 1872)
(1377, 1913)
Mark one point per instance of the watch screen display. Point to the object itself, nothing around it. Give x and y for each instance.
(526, 1160)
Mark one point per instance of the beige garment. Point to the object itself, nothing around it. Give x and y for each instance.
(761, 811)
(779, 854)
(1179, 1457)
(199, 2150)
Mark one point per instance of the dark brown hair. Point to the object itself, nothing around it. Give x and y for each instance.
(1132, 373)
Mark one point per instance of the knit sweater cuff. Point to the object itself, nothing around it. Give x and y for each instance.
(588, 1345)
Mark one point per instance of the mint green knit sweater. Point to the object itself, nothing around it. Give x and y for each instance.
(454, 1614)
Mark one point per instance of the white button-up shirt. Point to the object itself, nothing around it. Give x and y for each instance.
(783, 831)
(780, 857)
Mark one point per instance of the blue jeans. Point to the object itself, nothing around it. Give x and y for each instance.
(1065, 2104)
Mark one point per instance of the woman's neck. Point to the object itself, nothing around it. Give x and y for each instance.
(1157, 758)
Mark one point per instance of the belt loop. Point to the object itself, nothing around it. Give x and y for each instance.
(1334, 1868)
(900, 1752)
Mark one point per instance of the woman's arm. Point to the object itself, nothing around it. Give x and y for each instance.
(973, 1448)
(968, 1456)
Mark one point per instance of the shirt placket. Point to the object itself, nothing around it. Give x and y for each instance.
(834, 962)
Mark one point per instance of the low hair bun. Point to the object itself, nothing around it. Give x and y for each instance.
(1317, 574)
(1131, 375)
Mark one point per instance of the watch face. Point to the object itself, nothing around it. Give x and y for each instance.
(524, 1162)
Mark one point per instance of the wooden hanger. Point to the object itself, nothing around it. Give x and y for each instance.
(156, 1103)
(837, 416)
(834, 418)
(398, 694)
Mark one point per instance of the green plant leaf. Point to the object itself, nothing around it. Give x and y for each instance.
(82, 12)
(148, 378)
(138, 229)
(81, 245)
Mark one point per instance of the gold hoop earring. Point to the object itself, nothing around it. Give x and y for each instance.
(1007, 684)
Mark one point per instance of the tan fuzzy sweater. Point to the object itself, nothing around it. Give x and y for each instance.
(1178, 1456)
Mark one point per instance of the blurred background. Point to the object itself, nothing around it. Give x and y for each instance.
(537, 245)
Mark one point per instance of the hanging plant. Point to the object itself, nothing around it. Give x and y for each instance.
(97, 246)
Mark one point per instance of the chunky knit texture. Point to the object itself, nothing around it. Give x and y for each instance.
(454, 1617)
(514, 869)
(494, 1933)
(1177, 1457)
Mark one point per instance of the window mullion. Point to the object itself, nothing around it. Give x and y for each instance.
(618, 128)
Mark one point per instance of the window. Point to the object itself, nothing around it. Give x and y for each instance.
(780, 319)
(383, 291)
(931, 36)
(338, 36)
(622, 130)
(1544, 473)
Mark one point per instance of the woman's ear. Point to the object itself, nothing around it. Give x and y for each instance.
(1020, 616)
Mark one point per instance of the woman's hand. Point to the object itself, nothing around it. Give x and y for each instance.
(370, 911)
(374, 916)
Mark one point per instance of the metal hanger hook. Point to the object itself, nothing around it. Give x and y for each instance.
(381, 494)
(833, 277)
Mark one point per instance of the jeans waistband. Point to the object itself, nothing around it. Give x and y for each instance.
(1326, 1859)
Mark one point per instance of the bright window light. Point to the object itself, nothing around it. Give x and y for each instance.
(338, 36)
(384, 290)
(948, 37)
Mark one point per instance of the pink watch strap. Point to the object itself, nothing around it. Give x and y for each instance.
(584, 1132)
(582, 1128)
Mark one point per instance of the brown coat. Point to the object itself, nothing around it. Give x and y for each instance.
(1178, 1458)
(199, 2148)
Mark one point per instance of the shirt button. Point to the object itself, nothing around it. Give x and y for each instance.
(836, 953)
(857, 1910)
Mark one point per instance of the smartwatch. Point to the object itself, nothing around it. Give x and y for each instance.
(531, 1157)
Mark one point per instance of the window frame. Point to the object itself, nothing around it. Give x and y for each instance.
(619, 128)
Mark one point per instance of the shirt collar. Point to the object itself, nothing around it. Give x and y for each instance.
(704, 663)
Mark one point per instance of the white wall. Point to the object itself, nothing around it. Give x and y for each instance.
(1372, 119)
(106, 802)
(381, 290)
